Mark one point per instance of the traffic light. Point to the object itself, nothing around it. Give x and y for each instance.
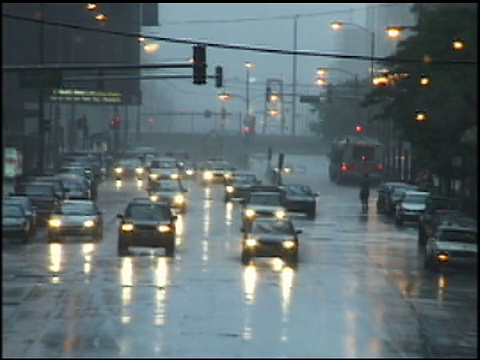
(268, 92)
(115, 122)
(359, 128)
(218, 76)
(199, 64)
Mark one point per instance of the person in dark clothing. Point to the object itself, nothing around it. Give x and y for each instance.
(365, 192)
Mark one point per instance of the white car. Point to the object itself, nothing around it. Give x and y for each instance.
(410, 206)
(455, 244)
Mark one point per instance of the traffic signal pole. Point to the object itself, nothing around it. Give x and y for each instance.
(41, 126)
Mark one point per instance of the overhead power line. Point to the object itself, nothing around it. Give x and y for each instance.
(238, 46)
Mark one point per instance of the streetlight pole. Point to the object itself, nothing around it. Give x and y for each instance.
(41, 125)
(248, 66)
(294, 78)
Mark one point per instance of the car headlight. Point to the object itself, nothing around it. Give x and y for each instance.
(229, 189)
(118, 170)
(178, 199)
(164, 228)
(189, 172)
(442, 256)
(127, 227)
(250, 213)
(89, 223)
(287, 170)
(207, 175)
(228, 176)
(280, 214)
(288, 244)
(153, 176)
(153, 198)
(174, 176)
(139, 170)
(251, 242)
(55, 222)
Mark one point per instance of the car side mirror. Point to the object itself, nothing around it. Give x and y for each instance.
(174, 217)
(299, 231)
(243, 201)
(119, 216)
(316, 194)
(242, 230)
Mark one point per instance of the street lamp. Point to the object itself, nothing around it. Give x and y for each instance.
(337, 25)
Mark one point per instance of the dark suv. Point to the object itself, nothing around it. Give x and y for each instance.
(146, 223)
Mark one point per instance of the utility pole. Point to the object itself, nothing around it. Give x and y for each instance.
(41, 127)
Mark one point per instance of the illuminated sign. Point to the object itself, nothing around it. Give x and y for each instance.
(86, 96)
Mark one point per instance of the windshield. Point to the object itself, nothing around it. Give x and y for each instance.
(163, 164)
(130, 163)
(416, 198)
(147, 212)
(245, 179)
(75, 185)
(39, 190)
(300, 190)
(265, 199)
(12, 211)
(459, 236)
(80, 208)
(272, 227)
(169, 186)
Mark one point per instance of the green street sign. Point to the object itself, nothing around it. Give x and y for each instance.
(40, 79)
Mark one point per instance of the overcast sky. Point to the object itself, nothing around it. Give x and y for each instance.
(268, 25)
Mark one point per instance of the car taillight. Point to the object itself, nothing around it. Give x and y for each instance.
(345, 167)
(380, 166)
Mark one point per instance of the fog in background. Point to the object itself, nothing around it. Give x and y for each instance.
(269, 25)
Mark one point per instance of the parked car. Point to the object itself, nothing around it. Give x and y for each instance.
(436, 209)
(146, 223)
(270, 237)
(453, 244)
(410, 206)
(15, 222)
(27, 205)
(75, 218)
(394, 190)
(301, 198)
(383, 193)
(239, 186)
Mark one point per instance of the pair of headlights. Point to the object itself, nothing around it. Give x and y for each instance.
(56, 223)
(129, 227)
(286, 244)
(279, 214)
(177, 199)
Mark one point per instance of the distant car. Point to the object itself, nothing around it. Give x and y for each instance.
(271, 237)
(15, 222)
(164, 168)
(382, 195)
(77, 186)
(410, 206)
(217, 171)
(263, 201)
(453, 244)
(129, 168)
(190, 169)
(239, 186)
(301, 198)
(75, 218)
(171, 191)
(28, 207)
(146, 223)
(43, 197)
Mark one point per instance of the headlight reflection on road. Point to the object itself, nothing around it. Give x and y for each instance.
(161, 282)
(87, 250)
(118, 184)
(139, 183)
(126, 280)
(55, 265)
(249, 280)
(287, 275)
(442, 286)
(229, 213)
(204, 252)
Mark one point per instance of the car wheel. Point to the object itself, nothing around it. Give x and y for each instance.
(122, 249)
(291, 259)
(311, 214)
(25, 237)
(170, 249)
(226, 199)
(245, 257)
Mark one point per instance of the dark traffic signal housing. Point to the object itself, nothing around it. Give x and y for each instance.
(218, 77)
(199, 64)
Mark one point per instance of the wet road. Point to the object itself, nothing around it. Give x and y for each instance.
(360, 289)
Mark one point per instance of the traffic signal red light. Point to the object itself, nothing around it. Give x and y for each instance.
(358, 128)
(199, 65)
